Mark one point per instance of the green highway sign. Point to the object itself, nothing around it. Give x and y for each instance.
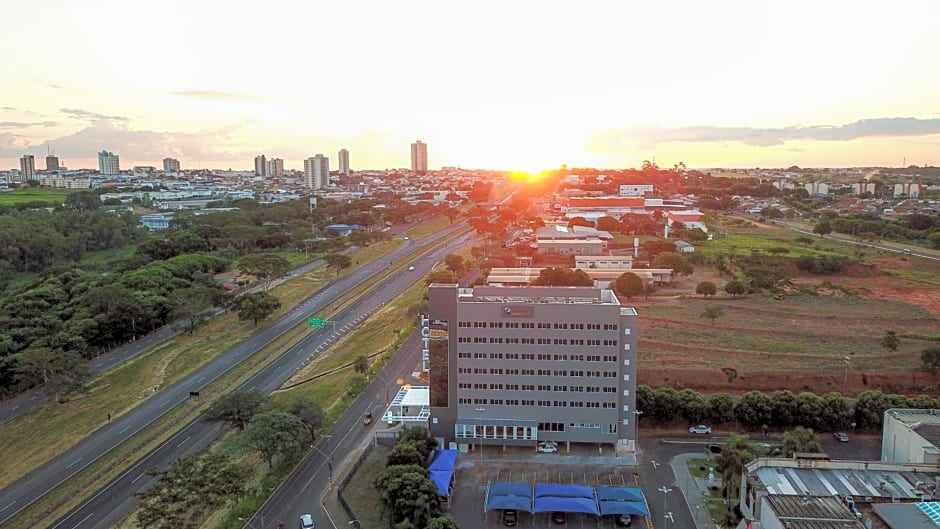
(315, 322)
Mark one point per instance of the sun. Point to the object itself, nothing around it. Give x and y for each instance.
(526, 176)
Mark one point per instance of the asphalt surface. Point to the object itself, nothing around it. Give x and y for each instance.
(115, 501)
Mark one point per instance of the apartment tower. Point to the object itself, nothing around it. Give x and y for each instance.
(419, 157)
(109, 163)
(27, 168)
(344, 162)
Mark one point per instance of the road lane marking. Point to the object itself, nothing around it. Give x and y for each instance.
(73, 463)
(8, 506)
(183, 441)
(165, 403)
(126, 428)
(16, 407)
(83, 519)
(142, 474)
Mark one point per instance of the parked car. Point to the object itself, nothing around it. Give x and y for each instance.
(559, 517)
(841, 436)
(701, 430)
(547, 448)
(624, 520)
(306, 522)
(715, 448)
(547, 443)
(509, 517)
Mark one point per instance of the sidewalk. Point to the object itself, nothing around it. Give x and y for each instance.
(693, 490)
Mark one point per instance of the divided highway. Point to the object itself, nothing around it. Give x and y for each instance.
(115, 501)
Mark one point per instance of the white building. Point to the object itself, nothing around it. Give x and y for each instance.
(908, 189)
(419, 156)
(27, 168)
(817, 188)
(635, 190)
(260, 165)
(275, 167)
(911, 436)
(109, 163)
(171, 165)
(344, 162)
(317, 172)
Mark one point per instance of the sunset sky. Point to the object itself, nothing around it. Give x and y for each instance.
(486, 84)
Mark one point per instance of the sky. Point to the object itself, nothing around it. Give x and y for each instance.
(508, 84)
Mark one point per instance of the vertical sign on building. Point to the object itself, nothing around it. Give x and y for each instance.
(435, 337)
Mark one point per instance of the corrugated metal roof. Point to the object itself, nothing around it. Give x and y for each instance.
(842, 482)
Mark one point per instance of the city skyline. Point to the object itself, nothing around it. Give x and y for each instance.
(740, 84)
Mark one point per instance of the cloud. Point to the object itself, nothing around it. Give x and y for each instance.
(646, 137)
(135, 145)
(25, 124)
(9, 109)
(211, 94)
(78, 113)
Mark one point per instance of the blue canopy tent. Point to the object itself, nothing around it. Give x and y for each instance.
(516, 496)
(441, 470)
(622, 500)
(619, 494)
(551, 497)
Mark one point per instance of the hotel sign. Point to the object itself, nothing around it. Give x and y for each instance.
(516, 311)
(425, 342)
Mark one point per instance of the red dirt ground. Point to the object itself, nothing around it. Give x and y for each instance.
(870, 284)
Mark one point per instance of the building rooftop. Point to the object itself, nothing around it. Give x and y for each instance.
(539, 295)
(803, 512)
(914, 417)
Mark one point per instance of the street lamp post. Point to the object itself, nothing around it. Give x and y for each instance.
(845, 379)
(665, 490)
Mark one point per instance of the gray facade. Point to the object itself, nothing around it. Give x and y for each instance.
(515, 365)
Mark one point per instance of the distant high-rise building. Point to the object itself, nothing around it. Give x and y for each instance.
(344, 162)
(52, 163)
(27, 168)
(275, 167)
(171, 165)
(109, 163)
(261, 168)
(317, 172)
(419, 157)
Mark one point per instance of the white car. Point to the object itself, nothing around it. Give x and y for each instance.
(306, 522)
(411, 269)
(547, 448)
(701, 430)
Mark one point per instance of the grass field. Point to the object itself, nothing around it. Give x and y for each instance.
(799, 341)
(32, 194)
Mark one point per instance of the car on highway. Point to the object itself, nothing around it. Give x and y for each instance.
(701, 429)
(509, 517)
(306, 521)
(547, 448)
(411, 269)
(841, 436)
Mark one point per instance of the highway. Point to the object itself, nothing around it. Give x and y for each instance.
(911, 252)
(28, 400)
(302, 491)
(115, 501)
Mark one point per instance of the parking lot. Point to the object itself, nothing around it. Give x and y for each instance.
(584, 466)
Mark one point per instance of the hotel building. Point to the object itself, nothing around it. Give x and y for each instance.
(517, 365)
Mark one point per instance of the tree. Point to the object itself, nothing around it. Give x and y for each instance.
(694, 406)
(190, 489)
(255, 306)
(735, 287)
(442, 522)
(440, 275)
(712, 314)
(678, 263)
(562, 277)
(455, 264)
(783, 408)
(720, 408)
(405, 454)
(309, 412)
(60, 372)
(236, 408)
(890, 341)
(264, 266)
(629, 284)
(800, 439)
(275, 433)
(420, 438)
(934, 239)
(451, 213)
(737, 453)
(191, 304)
(407, 493)
(338, 261)
(754, 409)
(706, 288)
(608, 224)
(930, 358)
(822, 227)
(83, 201)
(361, 364)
